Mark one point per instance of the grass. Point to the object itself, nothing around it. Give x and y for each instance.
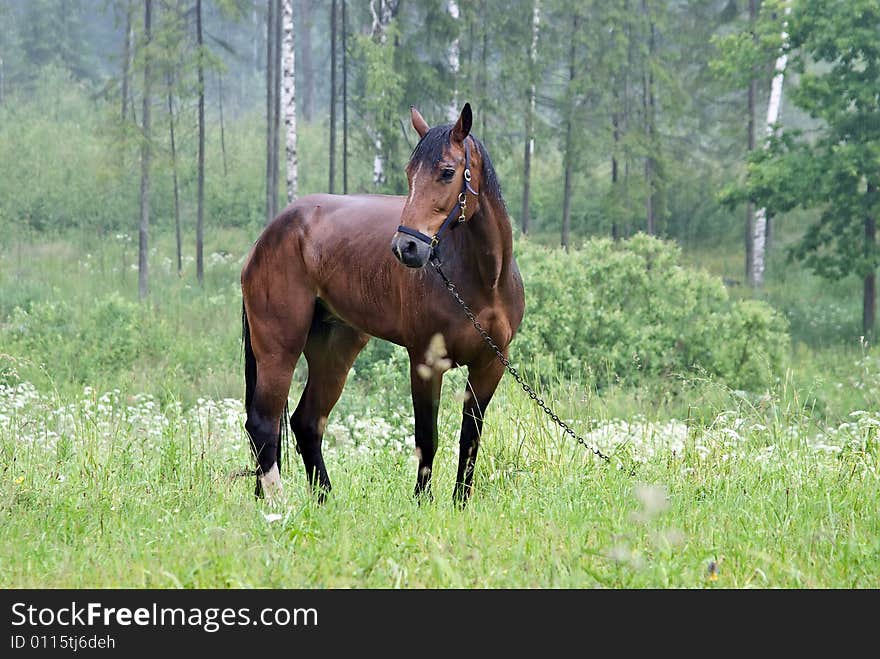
(134, 496)
(119, 474)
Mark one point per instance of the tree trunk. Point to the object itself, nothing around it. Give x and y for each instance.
(759, 235)
(453, 60)
(869, 297)
(529, 147)
(200, 208)
(569, 134)
(289, 89)
(332, 97)
(126, 61)
(143, 233)
(344, 101)
(175, 185)
(222, 124)
(307, 81)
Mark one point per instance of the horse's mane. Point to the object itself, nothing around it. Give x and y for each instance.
(429, 151)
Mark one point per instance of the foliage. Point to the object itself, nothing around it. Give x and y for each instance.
(623, 311)
(836, 170)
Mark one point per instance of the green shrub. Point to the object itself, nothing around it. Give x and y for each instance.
(619, 311)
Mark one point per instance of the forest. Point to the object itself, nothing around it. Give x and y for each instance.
(693, 191)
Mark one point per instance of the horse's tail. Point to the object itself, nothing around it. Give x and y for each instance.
(250, 362)
(250, 380)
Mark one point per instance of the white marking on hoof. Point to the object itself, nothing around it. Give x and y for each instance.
(271, 482)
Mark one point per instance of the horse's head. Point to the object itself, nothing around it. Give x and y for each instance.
(443, 174)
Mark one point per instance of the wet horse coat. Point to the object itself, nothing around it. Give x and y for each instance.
(321, 280)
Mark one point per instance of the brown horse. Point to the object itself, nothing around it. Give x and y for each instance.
(321, 280)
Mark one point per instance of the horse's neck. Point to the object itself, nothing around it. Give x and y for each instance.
(487, 248)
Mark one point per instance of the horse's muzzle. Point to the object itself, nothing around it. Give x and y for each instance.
(409, 251)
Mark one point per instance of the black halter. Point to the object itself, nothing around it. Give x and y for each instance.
(457, 212)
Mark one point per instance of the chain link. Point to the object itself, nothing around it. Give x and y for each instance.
(506, 363)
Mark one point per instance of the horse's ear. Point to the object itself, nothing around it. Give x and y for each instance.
(418, 122)
(463, 126)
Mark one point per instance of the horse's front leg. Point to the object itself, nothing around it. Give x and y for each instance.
(482, 382)
(426, 402)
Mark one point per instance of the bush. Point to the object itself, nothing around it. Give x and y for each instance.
(619, 311)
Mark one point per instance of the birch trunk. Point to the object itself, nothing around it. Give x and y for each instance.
(453, 60)
(289, 91)
(144, 229)
(759, 237)
(530, 120)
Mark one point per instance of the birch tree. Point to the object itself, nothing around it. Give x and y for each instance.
(835, 168)
(759, 236)
(289, 103)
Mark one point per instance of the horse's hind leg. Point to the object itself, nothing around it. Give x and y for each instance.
(482, 383)
(330, 351)
(276, 338)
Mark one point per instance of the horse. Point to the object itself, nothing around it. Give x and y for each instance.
(321, 281)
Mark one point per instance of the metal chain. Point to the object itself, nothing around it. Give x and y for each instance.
(506, 363)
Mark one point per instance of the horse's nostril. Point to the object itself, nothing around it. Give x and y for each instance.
(410, 247)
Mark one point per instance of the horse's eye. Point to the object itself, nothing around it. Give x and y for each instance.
(447, 174)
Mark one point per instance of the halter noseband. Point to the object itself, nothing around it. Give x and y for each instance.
(457, 212)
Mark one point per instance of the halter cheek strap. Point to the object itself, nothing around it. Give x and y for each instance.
(457, 212)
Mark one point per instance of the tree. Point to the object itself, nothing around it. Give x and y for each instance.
(760, 229)
(289, 89)
(143, 280)
(200, 212)
(835, 51)
(743, 60)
